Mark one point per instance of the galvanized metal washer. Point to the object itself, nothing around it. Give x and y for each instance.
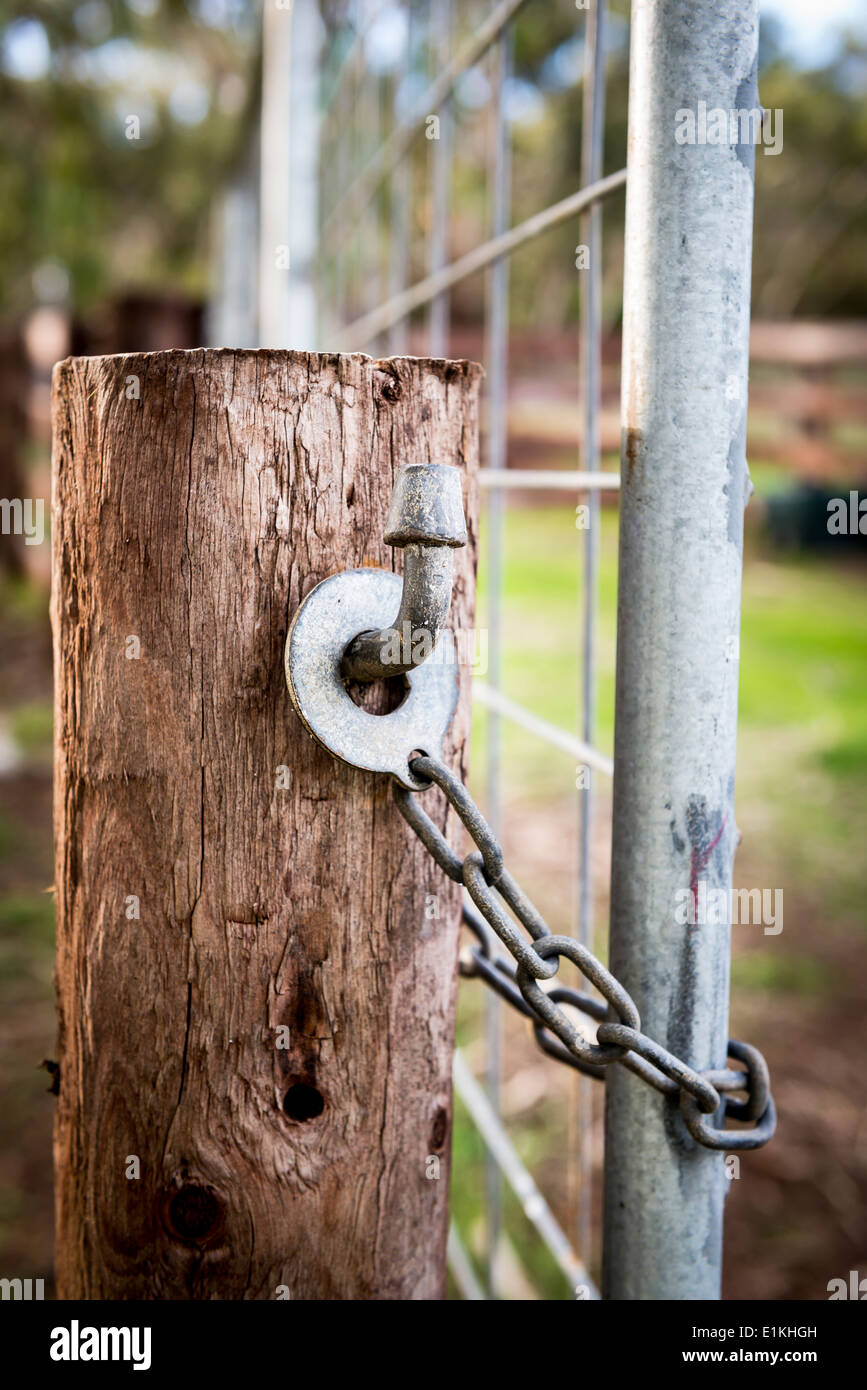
(326, 621)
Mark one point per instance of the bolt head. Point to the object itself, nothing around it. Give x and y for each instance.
(426, 507)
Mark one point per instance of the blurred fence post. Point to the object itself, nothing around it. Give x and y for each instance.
(302, 328)
(275, 251)
(684, 482)
(289, 170)
(256, 964)
(231, 315)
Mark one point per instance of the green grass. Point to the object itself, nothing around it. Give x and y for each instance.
(782, 972)
(26, 944)
(28, 913)
(542, 640)
(22, 601)
(10, 837)
(803, 674)
(804, 647)
(31, 726)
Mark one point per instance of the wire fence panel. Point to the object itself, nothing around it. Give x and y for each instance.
(360, 332)
(498, 367)
(592, 137)
(534, 1206)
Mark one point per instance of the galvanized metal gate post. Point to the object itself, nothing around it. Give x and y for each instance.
(684, 483)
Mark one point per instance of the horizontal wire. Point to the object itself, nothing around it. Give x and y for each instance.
(534, 1206)
(461, 1267)
(548, 479)
(551, 733)
(397, 144)
(350, 60)
(393, 310)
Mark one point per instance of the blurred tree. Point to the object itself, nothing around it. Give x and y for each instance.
(811, 199)
(120, 118)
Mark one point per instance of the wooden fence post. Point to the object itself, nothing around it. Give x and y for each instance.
(256, 963)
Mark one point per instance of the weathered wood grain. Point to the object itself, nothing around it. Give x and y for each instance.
(194, 518)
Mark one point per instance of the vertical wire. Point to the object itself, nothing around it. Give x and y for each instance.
(321, 273)
(336, 160)
(326, 173)
(304, 291)
(274, 210)
(372, 270)
(440, 28)
(592, 154)
(498, 346)
(351, 249)
(343, 152)
(354, 252)
(401, 200)
(340, 247)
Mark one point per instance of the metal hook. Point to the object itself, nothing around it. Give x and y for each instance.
(426, 519)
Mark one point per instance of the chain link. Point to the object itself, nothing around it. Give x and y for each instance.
(618, 1033)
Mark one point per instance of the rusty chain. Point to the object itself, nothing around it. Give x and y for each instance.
(618, 1035)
